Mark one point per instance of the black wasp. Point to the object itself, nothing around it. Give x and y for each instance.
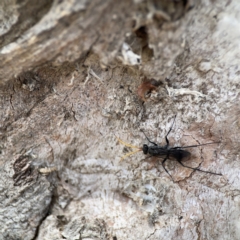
(166, 152)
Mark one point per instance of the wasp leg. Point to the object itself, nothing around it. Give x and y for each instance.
(196, 145)
(167, 141)
(149, 139)
(164, 160)
(197, 169)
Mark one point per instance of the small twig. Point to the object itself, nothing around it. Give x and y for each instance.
(182, 91)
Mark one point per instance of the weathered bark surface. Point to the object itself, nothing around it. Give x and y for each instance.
(68, 89)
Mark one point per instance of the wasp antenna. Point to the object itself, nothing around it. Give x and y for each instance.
(126, 144)
(128, 154)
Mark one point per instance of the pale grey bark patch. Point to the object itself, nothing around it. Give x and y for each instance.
(25, 200)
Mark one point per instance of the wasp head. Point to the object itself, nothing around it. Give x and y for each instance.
(145, 148)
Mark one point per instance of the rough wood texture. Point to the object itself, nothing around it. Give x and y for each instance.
(76, 74)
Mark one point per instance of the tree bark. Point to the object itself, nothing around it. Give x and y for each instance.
(76, 76)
